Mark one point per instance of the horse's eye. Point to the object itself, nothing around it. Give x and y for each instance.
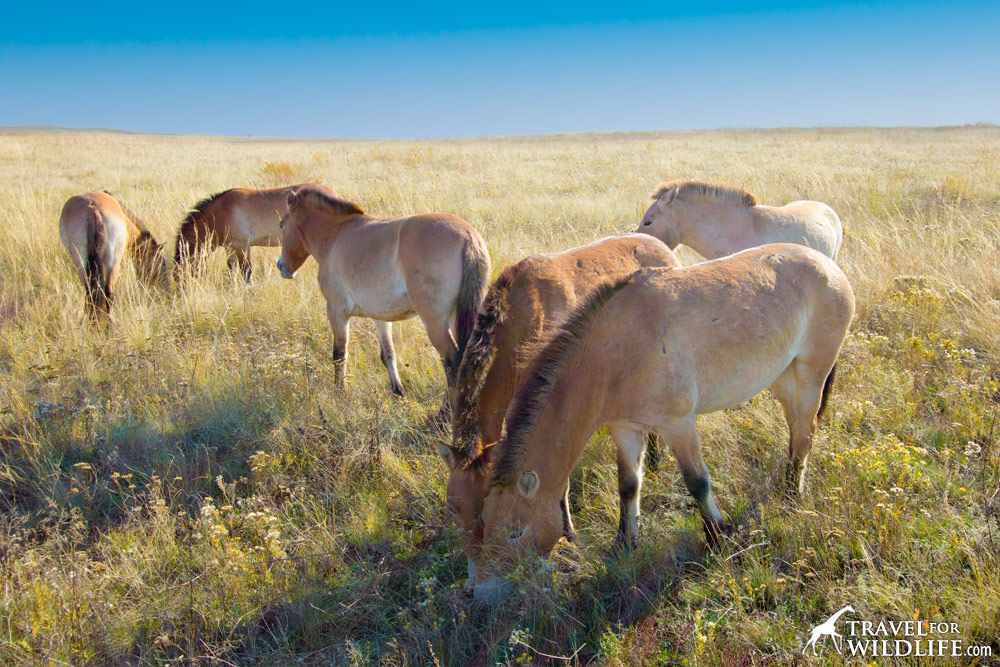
(648, 223)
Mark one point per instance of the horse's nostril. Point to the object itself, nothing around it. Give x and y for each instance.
(516, 535)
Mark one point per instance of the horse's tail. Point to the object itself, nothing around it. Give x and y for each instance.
(827, 386)
(476, 364)
(475, 275)
(98, 289)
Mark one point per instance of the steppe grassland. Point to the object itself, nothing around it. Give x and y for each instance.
(155, 475)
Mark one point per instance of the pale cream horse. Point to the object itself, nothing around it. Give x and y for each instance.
(525, 304)
(717, 220)
(435, 266)
(652, 351)
(96, 232)
(234, 219)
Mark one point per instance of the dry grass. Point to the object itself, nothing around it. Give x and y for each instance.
(165, 484)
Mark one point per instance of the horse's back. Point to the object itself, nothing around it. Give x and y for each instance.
(246, 217)
(806, 222)
(80, 214)
(717, 333)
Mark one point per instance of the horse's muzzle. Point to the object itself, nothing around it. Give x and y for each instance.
(493, 591)
(285, 273)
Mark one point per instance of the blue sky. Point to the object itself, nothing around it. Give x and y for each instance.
(408, 71)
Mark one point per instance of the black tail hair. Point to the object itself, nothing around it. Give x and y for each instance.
(827, 386)
(475, 274)
(98, 290)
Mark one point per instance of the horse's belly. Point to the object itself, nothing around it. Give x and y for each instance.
(739, 383)
(388, 305)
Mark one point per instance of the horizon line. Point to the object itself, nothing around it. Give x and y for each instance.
(61, 129)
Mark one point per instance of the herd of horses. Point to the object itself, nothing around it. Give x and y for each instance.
(614, 333)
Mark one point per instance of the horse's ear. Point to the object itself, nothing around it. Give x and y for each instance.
(292, 199)
(448, 453)
(669, 196)
(527, 483)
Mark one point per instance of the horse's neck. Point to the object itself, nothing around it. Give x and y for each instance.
(321, 240)
(573, 412)
(716, 230)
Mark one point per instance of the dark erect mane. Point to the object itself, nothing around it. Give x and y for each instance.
(198, 209)
(534, 393)
(192, 217)
(332, 203)
(476, 364)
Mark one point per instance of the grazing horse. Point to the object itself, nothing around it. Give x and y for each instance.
(652, 351)
(96, 231)
(522, 308)
(716, 220)
(236, 219)
(435, 266)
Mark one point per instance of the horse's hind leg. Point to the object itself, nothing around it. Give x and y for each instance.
(443, 341)
(799, 390)
(389, 355)
(631, 443)
(683, 440)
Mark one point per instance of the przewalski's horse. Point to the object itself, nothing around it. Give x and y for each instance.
(97, 231)
(652, 351)
(235, 219)
(716, 220)
(435, 266)
(522, 308)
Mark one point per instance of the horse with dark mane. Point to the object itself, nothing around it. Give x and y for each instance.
(433, 265)
(522, 309)
(234, 219)
(652, 351)
(96, 231)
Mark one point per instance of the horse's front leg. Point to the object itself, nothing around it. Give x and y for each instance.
(389, 356)
(631, 444)
(340, 326)
(240, 258)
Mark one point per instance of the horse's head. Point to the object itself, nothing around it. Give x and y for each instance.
(150, 263)
(312, 211)
(294, 251)
(522, 518)
(661, 220)
(468, 484)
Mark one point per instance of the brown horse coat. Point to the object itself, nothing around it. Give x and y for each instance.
(522, 308)
(235, 219)
(97, 231)
(434, 266)
(653, 351)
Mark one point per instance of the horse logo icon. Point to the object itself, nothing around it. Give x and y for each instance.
(828, 627)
